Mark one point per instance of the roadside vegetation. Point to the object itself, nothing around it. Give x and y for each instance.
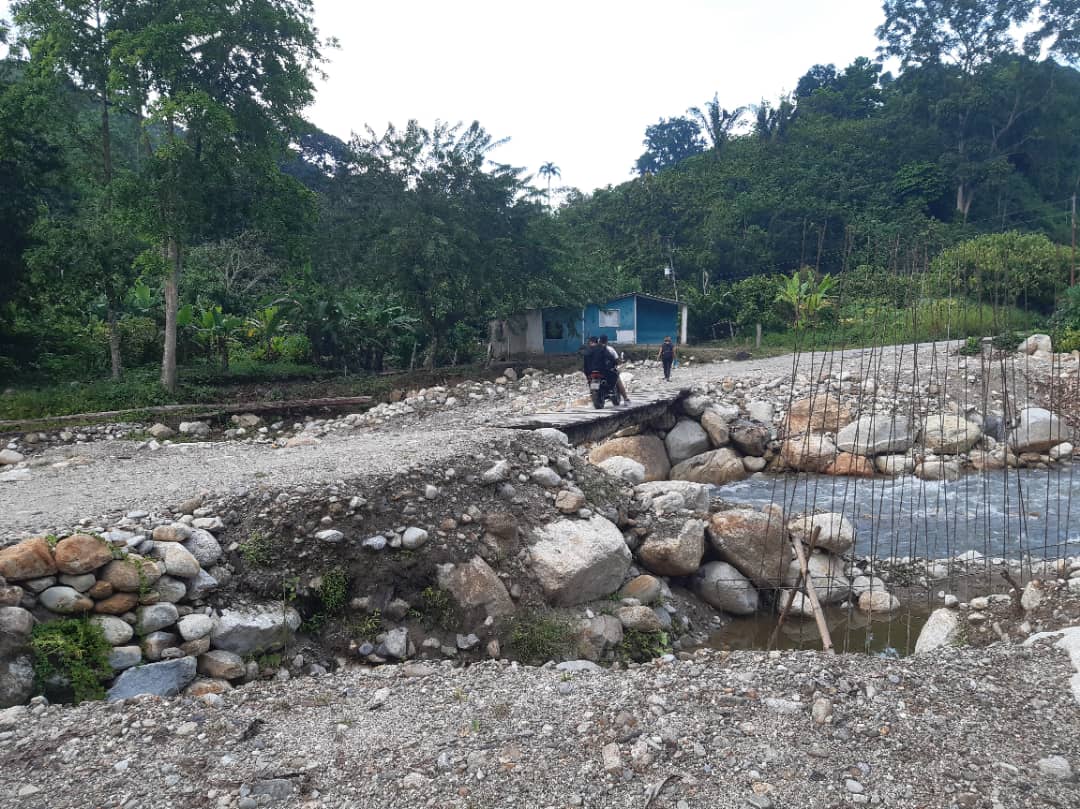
(172, 229)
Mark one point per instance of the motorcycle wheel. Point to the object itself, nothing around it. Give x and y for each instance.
(598, 399)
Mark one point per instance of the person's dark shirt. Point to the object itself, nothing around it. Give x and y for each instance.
(596, 359)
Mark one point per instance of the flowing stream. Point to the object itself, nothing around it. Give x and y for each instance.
(1009, 513)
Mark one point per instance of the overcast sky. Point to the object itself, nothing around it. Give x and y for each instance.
(572, 82)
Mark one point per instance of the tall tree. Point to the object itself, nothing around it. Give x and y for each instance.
(220, 88)
(717, 122)
(669, 142)
(549, 170)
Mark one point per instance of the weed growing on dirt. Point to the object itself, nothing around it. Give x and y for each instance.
(539, 638)
(75, 650)
(368, 627)
(256, 550)
(641, 647)
(437, 608)
(332, 595)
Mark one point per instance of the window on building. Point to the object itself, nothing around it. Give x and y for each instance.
(554, 330)
(609, 318)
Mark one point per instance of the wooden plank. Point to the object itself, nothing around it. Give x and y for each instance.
(194, 409)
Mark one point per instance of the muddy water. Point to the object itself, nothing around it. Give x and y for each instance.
(851, 631)
(1008, 513)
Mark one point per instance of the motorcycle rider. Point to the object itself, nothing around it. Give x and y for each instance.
(611, 359)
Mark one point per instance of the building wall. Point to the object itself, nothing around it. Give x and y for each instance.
(623, 332)
(656, 321)
(561, 330)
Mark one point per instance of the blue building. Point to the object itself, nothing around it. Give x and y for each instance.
(631, 319)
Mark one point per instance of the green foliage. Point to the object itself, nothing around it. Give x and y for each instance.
(437, 608)
(806, 296)
(643, 646)
(367, 627)
(537, 638)
(75, 650)
(1065, 323)
(332, 595)
(1005, 268)
(972, 347)
(256, 549)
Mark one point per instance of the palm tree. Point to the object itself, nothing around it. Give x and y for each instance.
(549, 170)
(717, 122)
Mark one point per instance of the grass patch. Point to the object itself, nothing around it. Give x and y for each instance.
(368, 627)
(256, 549)
(640, 647)
(437, 608)
(539, 638)
(332, 595)
(74, 649)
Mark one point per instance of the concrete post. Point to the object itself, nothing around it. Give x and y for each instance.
(682, 327)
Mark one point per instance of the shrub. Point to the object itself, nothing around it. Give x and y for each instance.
(643, 646)
(540, 638)
(75, 650)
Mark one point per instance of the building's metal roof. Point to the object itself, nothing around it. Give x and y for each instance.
(656, 298)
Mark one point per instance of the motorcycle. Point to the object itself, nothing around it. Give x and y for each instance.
(601, 390)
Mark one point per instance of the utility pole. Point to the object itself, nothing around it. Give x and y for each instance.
(1072, 275)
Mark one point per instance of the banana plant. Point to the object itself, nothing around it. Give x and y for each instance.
(806, 296)
(218, 331)
(263, 325)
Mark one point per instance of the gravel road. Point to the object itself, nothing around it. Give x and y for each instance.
(109, 477)
(990, 728)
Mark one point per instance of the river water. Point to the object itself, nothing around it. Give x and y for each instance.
(1009, 513)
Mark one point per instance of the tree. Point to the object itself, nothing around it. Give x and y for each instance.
(219, 88)
(549, 170)
(969, 49)
(717, 122)
(669, 142)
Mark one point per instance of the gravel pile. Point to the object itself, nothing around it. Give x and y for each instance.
(964, 727)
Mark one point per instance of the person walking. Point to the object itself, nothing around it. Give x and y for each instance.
(666, 355)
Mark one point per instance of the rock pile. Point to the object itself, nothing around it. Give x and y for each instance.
(146, 591)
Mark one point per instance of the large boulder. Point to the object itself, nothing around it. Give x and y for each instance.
(827, 574)
(753, 541)
(938, 469)
(678, 555)
(822, 413)
(749, 437)
(715, 426)
(949, 433)
(685, 440)
(177, 559)
(848, 465)
(724, 587)
(16, 680)
(165, 679)
(695, 496)
(1037, 430)
(626, 468)
(717, 467)
(940, 629)
(1036, 344)
(474, 585)
(204, 547)
(597, 635)
(132, 574)
(30, 559)
(837, 534)
(16, 625)
(254, 630)
(579, 560)
(81, 553)
(808, 453)
(65, 600)
(875, 434)
(647, 450)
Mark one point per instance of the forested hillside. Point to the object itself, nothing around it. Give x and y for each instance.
(164, 204)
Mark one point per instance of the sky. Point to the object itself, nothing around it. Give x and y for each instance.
(573, 82)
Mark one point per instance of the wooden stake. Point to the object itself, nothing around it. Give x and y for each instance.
(811, 593)
(792, 592)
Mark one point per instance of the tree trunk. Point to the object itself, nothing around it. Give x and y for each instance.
(172, 304)
(114, 343)
(964, 197)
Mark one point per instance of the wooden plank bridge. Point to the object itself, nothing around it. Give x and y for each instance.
(582, 422)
